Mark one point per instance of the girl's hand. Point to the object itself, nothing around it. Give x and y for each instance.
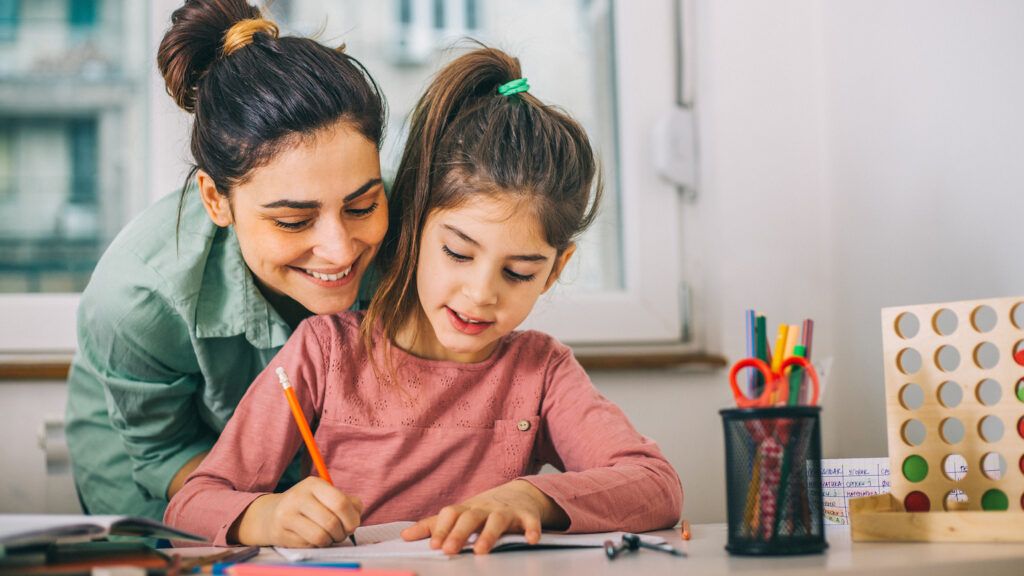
(516, 507)
(310, 514)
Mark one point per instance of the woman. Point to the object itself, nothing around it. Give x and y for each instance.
(194, 297)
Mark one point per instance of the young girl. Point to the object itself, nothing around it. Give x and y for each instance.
(445, 414)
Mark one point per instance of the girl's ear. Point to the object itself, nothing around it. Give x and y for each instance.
(560, 263)
(217, 206)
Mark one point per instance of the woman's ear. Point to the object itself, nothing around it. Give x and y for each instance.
(560, 263)
(217, 206)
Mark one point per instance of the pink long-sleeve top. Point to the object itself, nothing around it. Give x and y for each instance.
(446, 432)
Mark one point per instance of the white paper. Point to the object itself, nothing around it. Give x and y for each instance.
(845, 478)
(384, 541)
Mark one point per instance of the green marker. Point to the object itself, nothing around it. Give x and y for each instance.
(796, 376)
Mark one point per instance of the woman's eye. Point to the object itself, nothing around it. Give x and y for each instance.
(363, 211)
(291, 225)
(455, 256)
(519, 277)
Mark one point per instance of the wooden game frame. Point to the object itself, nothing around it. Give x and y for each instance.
(884, 517)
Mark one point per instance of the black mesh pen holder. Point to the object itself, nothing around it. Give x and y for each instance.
(773, 480)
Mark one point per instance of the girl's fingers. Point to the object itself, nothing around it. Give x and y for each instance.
(419, 530)
(445, 521)
(497, 523)
(531, 527)
(309, 532)
(347, 509)
(469, 521)
(325, 518)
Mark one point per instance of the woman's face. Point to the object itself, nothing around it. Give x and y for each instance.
(311, 220)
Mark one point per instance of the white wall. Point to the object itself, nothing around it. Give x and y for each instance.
(854, 155)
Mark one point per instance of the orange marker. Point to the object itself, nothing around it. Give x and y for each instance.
(307, 434)
(686, 530)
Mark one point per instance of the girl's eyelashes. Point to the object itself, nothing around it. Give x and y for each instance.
(519, 277)
(513, 276)
(453, 255)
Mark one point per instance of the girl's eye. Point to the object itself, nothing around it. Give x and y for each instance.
(453, 255)
(363, 211)
(519, 277)
(292, 225)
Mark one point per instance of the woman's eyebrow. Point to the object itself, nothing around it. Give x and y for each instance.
(519, 257)
(315, 204)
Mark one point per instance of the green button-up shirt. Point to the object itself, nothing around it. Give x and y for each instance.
(171, 331)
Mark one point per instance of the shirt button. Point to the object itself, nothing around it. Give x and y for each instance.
(523, 425)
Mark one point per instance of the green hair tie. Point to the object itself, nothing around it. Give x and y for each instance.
(514, 87)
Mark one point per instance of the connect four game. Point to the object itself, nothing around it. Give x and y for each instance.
(954, 386)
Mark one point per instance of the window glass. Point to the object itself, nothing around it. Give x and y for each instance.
(69, 102)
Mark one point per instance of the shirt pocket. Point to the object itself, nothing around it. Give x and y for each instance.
(517, 438)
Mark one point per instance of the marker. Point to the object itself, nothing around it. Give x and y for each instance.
(685, 531)
(224, 568)
(307, 435)
(634, 542)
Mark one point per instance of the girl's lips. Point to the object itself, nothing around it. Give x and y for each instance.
(468, 328)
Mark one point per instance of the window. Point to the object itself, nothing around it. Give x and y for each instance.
(89, 97)
(72, 148)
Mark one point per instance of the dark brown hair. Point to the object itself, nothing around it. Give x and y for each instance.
(253, 93)
(466, 139)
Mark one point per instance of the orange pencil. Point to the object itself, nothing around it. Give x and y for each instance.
(307, 434)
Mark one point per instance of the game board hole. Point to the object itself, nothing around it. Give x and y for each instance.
(1020, 430)
(907, 325)
(947, 358)
(1020, 390)
(991, 428)
(956, 500)
(1018, 352)
(908, 361)
(993, 465)
(913, 432)
(917, 501)
(995, 499)
(1017, 315)
(944, 322)
(989, 392)
(1021, 463)
(911, 396)
(950, 394)
(954, 467)
(915, 468)
(984, 318)
(986, 355)
(952, 430)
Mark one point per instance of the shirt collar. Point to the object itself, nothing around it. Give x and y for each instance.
(229, 303)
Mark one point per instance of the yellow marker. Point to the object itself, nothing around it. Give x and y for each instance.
(778, 355)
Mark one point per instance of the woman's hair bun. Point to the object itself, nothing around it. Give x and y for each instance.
(197, 38)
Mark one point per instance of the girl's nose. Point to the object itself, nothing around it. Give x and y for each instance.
(480, 289)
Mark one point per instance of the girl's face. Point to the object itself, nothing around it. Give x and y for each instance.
(310, 221)
(481, 268)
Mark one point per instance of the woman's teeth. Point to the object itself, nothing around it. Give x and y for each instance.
(329, 277)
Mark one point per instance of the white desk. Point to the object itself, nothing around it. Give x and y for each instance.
(707, 555)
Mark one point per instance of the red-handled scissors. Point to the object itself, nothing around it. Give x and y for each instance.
(776, 384)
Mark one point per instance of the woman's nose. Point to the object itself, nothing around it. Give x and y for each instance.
(334, 243)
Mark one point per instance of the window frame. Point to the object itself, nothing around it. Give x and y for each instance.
(649, 310)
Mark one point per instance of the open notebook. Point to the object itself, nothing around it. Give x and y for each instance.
(19, 530)
(384, 541)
